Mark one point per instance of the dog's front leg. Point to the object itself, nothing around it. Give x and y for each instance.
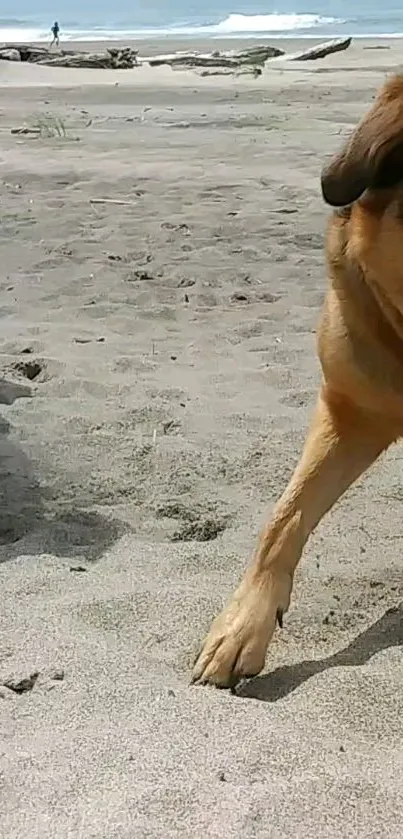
(342, 443)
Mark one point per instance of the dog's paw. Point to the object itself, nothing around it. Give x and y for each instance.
(236, 645)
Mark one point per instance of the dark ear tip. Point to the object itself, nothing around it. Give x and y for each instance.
(329, 186)
(330, 195)
(340, 190)
(332, 191)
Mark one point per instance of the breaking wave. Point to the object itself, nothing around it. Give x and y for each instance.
(234, 25)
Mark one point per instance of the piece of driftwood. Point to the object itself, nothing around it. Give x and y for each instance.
(258, 54)
(31, 52)
(228, 71)
(25, 129)
(112, 59)
(88, 60)
(211, 71)
(320, 50)
(26, 52)
(187, 61)
(119, 201)
(232, 58)
(10, 55)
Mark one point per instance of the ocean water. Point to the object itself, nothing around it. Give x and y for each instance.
(94, 20)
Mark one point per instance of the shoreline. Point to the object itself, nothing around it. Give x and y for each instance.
(151, 46)
(171, 44)
(131, 37)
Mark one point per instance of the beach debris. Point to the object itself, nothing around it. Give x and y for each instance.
(118, 201)
(170, 425)
(178, 228)
(227, 71)
(88, 340)
(182, 124)
(112, 58)
(139, 275)
(257, 54)
(239, 297)
(20, 684)
(320, 50)
(10, 54)
(250, 60)
(25, 129)
(57, 675)
(186, 282)
(232, 59)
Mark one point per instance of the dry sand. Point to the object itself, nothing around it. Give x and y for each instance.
(159, 369)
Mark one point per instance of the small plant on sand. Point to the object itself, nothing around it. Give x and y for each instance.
(50, 125)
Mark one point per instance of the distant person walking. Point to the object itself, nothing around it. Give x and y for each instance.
(55, 29)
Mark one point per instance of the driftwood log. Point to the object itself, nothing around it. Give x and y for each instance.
(10, 55)
(256, 55)
(320, 50)
(188, 61)
(113, 58)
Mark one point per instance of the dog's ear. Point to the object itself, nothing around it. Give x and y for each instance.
(373, 156)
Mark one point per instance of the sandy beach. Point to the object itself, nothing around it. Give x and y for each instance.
(158, 371)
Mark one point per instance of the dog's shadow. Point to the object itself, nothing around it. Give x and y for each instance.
(386, 632)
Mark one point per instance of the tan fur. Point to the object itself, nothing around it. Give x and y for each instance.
(359, 412)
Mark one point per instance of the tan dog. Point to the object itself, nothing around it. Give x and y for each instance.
(359, 412)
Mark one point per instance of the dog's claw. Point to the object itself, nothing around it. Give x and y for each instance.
(279, 617)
